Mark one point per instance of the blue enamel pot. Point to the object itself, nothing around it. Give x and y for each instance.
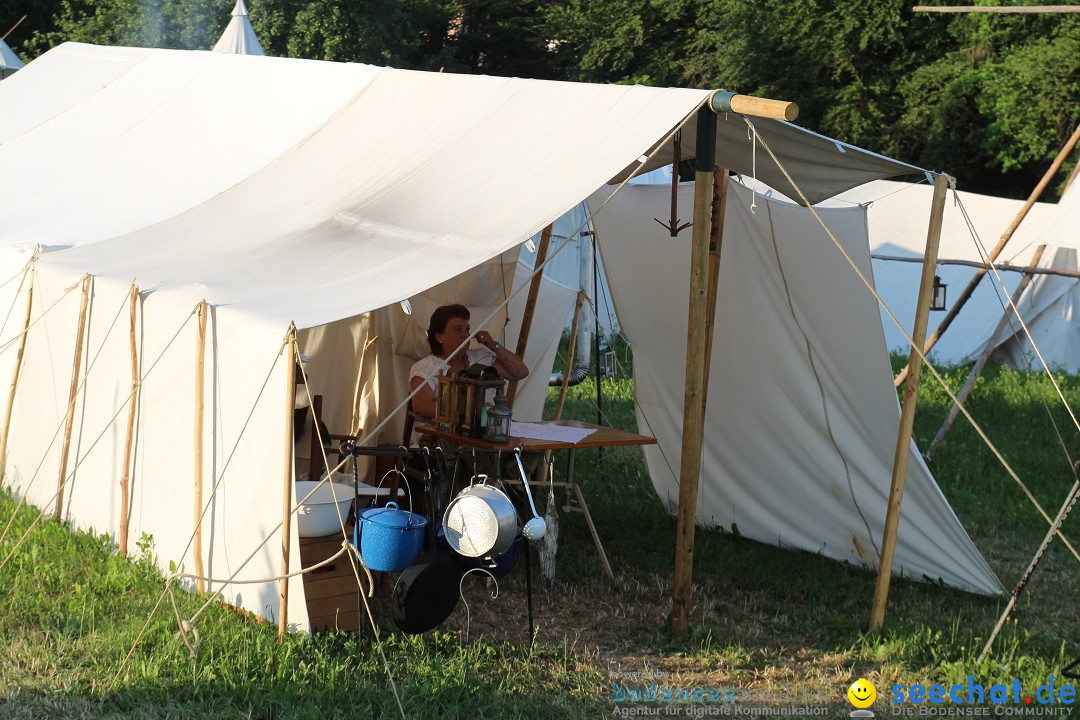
(389, 539)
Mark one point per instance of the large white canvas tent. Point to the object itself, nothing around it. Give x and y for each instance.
(1046, 305)
(343, 197)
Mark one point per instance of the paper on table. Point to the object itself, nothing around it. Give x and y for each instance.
(557, 433)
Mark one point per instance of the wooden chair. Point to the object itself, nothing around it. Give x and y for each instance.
(316, 466)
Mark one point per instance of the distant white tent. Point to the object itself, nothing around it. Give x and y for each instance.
(1047, 305)
(9, 61)
(239, 37)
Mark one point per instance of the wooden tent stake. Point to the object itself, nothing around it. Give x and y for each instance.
(696, 371)
(287, 486)
(15, 375)
(200, 377)
(969, 385)
(58, 512)
(125, 490)
(974, 282)
(530, 306)
(907, 414)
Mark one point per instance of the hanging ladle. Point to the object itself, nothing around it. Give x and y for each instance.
(536, 528)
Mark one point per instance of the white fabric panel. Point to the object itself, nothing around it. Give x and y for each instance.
(239, 37)
(376, 189)
(247, 504)
(898, 217)
(802, 416)
(1063, 230)
(168, 131)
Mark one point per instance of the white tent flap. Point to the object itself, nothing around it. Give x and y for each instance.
(802, 416)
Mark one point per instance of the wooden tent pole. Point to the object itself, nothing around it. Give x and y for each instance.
(58, 512)
(570, 348)
(969, 385)
(530, 306)
(287, 486)
(1006, 236)
(125, 489)
(696, 370)
(200, 377)
(997, 8)
(907, 414)
(716, 243)
(1000, 267)
(15, 375)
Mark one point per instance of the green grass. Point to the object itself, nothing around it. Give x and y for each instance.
(762, 618)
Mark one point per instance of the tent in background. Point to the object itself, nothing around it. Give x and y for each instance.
(9, 61)
(1047, 305)
(350, 201)
(239, 37)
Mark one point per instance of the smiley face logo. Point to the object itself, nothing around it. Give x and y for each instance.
(861, 694)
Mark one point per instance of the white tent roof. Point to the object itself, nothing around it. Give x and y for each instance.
(351, 162)
(239, 37)
(8, 59)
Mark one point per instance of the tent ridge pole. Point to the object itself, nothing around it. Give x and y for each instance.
(696, 370)
(58, 511)
(907, 413)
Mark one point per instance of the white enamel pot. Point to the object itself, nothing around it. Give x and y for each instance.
(480, 522)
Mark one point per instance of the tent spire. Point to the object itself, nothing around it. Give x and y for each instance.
(239, 37)
(9, 61)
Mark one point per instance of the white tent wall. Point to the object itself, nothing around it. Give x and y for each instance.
(247, 506)
(896, 231)
(802, 417)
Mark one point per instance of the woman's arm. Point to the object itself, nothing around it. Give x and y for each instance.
(507, 364)
(423, 402)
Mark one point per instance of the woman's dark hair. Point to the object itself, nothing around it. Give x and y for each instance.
(439, 319)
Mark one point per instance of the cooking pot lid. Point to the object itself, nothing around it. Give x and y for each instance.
(393, 517)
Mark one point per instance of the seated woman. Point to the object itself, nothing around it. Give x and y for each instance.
(447, 329)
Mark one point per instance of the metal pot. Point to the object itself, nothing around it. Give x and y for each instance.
(481, 521)
(389, 539)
